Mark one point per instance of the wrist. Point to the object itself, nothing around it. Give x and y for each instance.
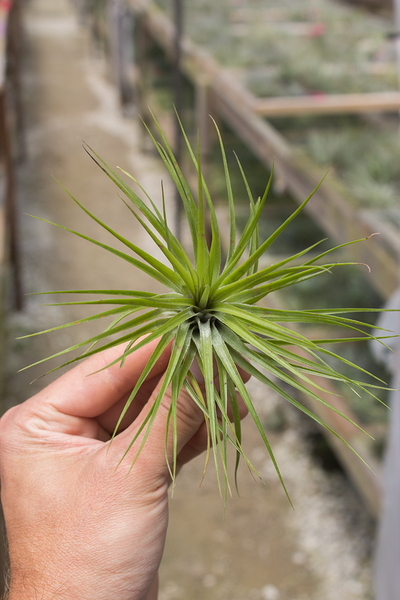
(27, 584)
(49, 579)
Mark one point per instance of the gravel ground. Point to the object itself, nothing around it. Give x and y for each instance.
(260, 548)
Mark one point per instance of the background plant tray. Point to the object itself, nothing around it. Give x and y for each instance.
(306, 52)
(295, 48)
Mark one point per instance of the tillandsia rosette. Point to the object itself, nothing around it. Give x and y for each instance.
(210, 313)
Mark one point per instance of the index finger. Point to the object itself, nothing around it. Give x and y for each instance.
(86, 391)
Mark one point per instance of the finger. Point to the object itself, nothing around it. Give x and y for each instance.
(189, 419)
(109, 419)
(87, 391)
(199, 442)
(242, 408)
(190, 426)
(195, 446)
(196, 371)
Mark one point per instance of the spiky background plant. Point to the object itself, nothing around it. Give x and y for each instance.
(209, 312)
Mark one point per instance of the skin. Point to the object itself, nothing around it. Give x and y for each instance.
(78, 527)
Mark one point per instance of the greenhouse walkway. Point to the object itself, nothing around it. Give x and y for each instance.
(261, 549)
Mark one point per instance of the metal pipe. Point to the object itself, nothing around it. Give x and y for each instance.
(387, 559)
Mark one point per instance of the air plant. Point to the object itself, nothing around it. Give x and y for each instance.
(210, 314)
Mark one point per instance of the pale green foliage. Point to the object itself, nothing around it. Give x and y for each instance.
(209, 312)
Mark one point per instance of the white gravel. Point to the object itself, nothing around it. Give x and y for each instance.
(333, 531)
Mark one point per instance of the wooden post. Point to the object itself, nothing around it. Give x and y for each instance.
(8, 34)
(177, 82)
(126, 25)
(203, 120)
(120, 35)
(14, 52)
(11, 219)
(142, 41)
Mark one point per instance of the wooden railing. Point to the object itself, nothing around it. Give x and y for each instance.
(333, 208)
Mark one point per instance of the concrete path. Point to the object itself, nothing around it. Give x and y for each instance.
(69, 99)
(261, 549)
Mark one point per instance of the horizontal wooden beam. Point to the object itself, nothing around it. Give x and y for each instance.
(330, 206)
(327, 104)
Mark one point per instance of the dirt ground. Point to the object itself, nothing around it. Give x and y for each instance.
(260, 549)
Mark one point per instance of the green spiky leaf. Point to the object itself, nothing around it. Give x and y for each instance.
(208, 312)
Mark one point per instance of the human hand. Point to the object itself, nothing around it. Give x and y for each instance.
(77, 526)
